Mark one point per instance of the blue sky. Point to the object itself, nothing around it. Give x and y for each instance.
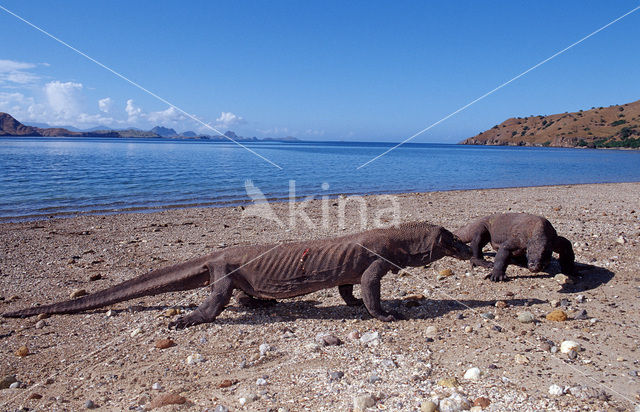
(323, 70)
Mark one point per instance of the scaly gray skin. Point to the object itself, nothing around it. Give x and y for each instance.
(284, 271)
(514, 236)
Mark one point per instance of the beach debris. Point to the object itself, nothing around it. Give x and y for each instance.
(195, 358)
(521, 359)
(34, 396)
(225, 383)
(580, 298)
(563, 279)
(557, 315)
(428, 406)
(221, 408)
(264, 348)
(526, 317)
(156, 386)
(327, 339)
(164, 343)
(501, 304)
(43, 316)
(353, 335)
(76, 293)
(370, 338)
(586, 393)
(136, 332)
(449, 382)
(580, 315)
(488, 315)
(621, 240)
(261, 381)
(444, 273)
(431, 332)
(454, 403)
(482, 402)
(472, 373)
(89, 404)
(171, 312)
(22, 351)
(40, 324)
(250, 397)
(362, 402)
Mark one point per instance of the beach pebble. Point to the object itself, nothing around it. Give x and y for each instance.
(521, 359)
(156, 386)
(327, 339)
(40, 324)
(43, 316)
(580, 298)
(374, 378)
(109, 313)
(483, 402)
(195, 358)
(569, 346)
(445, 273)
(586, 393)
(164, 343)
(468, 329)
(22, 351)
(488, 315)
(225, 383)
(621, 240)
(501, 304)
(264, 348)
(336, 375)
(472, 373)
(89, 404)
(171, 312)
(14, 385)
(362, 402)
(35, 396)
(580, 315)
(428, 406)
(370, 338)
(526, 317)
(454, 403)
(449, 382)
(563, 279)
(95, 277)
(77, 293)
(166, 399)
(261, 381)
(431, 332)
(555, 390)
(221, 408)
(312, 347)
(136, 332)
(353, 335)
(557, 315)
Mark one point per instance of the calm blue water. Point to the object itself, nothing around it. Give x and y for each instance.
(42, 177)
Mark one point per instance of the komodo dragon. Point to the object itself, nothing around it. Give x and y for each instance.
(513, 236)
(284, 271)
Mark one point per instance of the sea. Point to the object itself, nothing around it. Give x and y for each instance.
(43, 178)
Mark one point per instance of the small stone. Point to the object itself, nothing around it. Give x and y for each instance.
(482, 402)
(468, 329)
(22, 351)
(557, 315)
(353, 335)
(40, 324)
(261, 381)
(428, 406)
(569, 346)
(526, 317)
(77, 293)
(554, 349)
(362, 402)
(109, 313)
(580, 298)
(555, 390)
(89, 404)
(545, 346)
(431, 332)
(312, 347)
(580, 315)
(164, 343)
(554, 303)
(166, 399)
(621, 240)
(225, 383)
(488, 315)
(449, 382)
(521, 359)
(14, 385)
(563, 279)
(374, 378)
(171, 312)
(472, 373)
(336, 375)
(195, 358)
(445, 273)
(501, 304)
(136, 332)
(586, 393)
(95, 277)
(497, 328)
(156, 386)
(35, 396)
(370, 338)
(264, 348)
(43, 316)
(327, 339)
(221, 408)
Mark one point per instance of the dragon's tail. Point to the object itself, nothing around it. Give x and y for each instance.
(184, 276)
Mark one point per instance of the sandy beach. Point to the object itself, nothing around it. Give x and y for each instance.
(269, 359)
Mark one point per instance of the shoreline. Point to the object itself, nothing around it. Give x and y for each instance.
(234, 204)
(74, 358)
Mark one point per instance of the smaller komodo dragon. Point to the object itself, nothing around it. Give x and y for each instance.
(515, 236)
(284, 271)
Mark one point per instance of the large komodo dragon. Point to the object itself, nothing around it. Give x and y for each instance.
(284, 271)
(514, 236)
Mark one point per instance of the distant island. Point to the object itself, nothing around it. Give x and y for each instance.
(601, 127)
(9, 126)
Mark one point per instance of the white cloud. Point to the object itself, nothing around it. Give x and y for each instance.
(228, 119)
(17, 72)
(132, 111)
(169, 116)
(63, 98)
(105, 104)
